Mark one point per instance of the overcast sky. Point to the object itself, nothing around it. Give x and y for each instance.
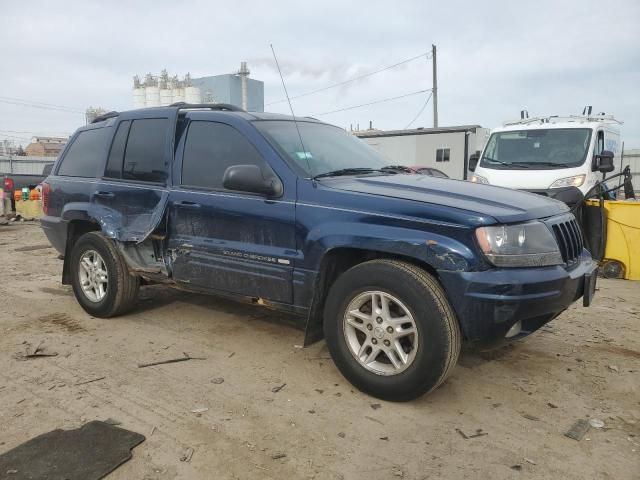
(494, 58)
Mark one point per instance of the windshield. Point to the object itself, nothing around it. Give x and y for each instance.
(326, 148)
(538, 149)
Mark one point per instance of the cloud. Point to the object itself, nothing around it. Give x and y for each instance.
(493, 58)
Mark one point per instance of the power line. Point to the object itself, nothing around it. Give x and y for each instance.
(373, 103)
(40, 105)
(34, 132)
(421, 110)
(359, 77)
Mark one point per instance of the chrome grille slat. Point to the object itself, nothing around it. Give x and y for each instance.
(569, 238)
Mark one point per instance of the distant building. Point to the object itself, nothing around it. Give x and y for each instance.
(632, 158)
(46, 146)
(446, 148)
(234, 88)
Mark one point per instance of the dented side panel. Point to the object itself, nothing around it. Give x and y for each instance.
(128, 213)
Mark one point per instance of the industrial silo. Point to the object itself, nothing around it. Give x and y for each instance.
(139, 94)
(166, 95)
(152, 91)
(177, 89)
(191, 93)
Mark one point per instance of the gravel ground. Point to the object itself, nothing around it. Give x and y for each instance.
(524, 397)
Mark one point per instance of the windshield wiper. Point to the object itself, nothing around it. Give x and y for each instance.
(546, 164)
(499, 162)
(345, 171)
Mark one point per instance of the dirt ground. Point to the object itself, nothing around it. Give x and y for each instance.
(585, 364)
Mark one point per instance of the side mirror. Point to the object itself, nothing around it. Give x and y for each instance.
(473, 161)
(249, 178)
(603, 162)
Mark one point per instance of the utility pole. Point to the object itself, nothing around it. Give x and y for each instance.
(435, 86)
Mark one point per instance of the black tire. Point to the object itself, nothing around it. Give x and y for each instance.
(122, 286)
(438, 344)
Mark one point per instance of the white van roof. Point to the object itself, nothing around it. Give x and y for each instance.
(558, 121)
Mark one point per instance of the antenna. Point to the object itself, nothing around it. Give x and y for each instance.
(304, 150)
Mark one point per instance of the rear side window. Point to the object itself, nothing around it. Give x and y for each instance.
(86, 154)
(210, 149)
(144, 153)
(116, 155)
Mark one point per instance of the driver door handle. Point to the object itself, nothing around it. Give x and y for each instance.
(187, 204)
(104, 194)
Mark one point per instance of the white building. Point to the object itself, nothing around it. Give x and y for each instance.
(632, 158)
(446, 148)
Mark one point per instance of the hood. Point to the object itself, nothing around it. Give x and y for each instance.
(503, 204)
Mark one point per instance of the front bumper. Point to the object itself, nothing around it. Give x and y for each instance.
(490, 302)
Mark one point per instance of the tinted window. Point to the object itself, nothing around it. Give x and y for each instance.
(86, 154)
(211, 148)
(438, 173)
(144, 154)
(114, 163)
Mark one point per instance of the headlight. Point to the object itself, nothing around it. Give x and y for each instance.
(528, 244)
(479, 179)
(575, 181)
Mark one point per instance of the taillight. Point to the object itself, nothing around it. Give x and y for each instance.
(8, 184)
(46, 191)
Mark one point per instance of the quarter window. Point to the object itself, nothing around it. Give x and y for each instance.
(442, 155)
(86, 154)
(145, 152)
(116, 155)
(210, 149)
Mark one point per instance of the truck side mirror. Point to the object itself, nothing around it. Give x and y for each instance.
(603, 162)
(473, 161)
(249, 178)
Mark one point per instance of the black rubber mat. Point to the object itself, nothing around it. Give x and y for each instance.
(87, 453)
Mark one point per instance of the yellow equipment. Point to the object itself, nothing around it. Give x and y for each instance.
(622, 249)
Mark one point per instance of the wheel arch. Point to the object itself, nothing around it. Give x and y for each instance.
(75, 229)
(334, 263)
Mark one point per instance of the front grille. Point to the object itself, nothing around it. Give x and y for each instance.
(569, 238)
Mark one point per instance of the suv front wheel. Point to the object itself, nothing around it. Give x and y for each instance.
(101, 281)
(391, 330)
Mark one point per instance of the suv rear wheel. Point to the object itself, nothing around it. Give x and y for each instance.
(101, 280)
(391, 330)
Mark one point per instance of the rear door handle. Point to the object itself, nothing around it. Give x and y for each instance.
(104, 194)
(188, 204)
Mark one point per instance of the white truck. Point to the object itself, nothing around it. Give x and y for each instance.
(559, 157)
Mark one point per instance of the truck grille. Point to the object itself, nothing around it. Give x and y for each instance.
(569, 238)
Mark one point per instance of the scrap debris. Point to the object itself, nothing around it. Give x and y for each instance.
(479, 433)
(278, 455)
(578, 430)
(596, 423)
(97, 379)
(37, 352)
(278, 388)
(186, 455)
(171, 360)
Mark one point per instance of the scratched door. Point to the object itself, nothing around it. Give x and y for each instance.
(225, 240)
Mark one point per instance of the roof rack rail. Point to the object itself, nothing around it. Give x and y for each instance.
(105, 116)
(570, 118)
(210, 106)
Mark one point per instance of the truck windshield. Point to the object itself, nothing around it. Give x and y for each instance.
(326, 148)
(539, 149)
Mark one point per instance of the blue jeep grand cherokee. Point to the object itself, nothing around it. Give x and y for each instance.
(395, 270)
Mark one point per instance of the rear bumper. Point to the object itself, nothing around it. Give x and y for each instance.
(56, 231)
(489, 303)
